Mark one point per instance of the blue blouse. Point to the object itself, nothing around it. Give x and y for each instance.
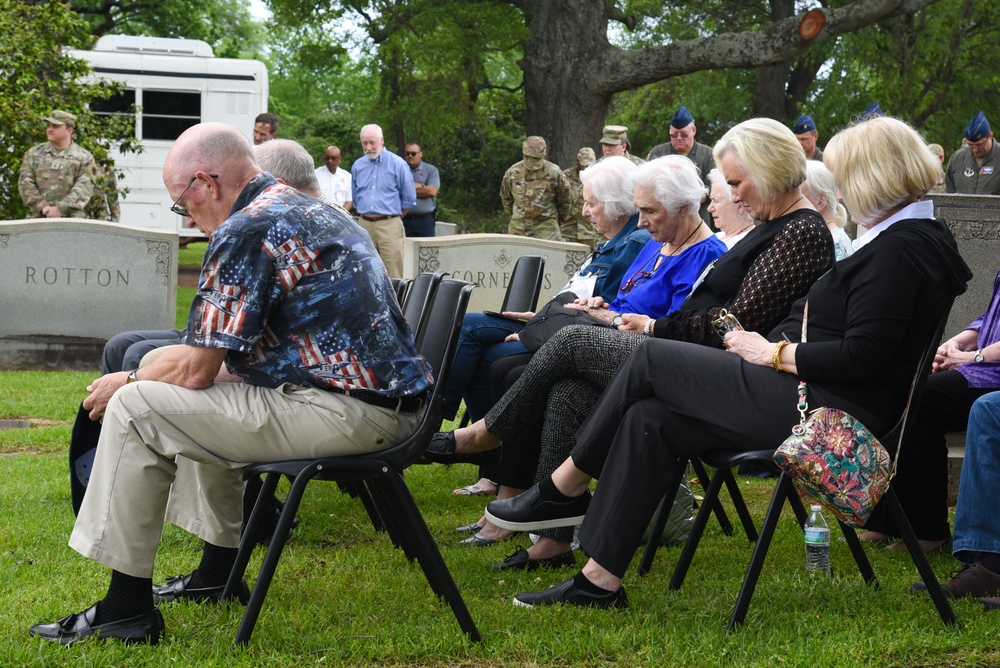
(664, 290)
(612, 258)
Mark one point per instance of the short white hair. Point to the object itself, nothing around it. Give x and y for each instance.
(608, 180)
(674, 181)
(376, 128)
(717, 178)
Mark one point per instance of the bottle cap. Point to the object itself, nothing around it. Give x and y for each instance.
(815, 509)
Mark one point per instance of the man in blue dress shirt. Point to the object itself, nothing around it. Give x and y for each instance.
(383, 192)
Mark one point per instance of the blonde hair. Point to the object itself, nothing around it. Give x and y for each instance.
(821, 182)
(880, 164)
(769, 153)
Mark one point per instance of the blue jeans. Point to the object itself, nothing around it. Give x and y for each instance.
(480, 344)
(977, 515)
(419, 224)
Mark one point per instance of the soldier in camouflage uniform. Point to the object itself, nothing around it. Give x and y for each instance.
(57, 177)
(535, 194)
(578, 228)
(615, 142)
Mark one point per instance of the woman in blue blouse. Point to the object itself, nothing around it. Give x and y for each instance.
(482, 339)
(668, 192)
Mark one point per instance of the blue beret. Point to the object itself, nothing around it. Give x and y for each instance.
(873, 110)
(682, 118)
(804, 124)
(977, 128)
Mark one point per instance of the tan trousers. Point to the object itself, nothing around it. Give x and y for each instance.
(387, 235)
(169, 453)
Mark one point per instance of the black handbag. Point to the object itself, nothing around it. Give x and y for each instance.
(551, 318)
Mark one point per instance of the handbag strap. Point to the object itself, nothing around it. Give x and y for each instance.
(803, 402)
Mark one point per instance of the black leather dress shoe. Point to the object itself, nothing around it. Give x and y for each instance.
(441, 450)
(469, 528)
(144, 628)
(528, 511)
(176, 588)
(567, 592)
(520, 560)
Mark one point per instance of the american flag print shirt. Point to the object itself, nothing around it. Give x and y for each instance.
(298, 294)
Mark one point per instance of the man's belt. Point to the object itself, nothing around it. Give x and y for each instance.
(376, 217)
(400, 405)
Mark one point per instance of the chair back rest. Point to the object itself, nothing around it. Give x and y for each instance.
(419, 297)
(894, 439)
(401, 286)
(525, 284)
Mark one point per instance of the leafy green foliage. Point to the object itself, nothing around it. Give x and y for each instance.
(39, 77)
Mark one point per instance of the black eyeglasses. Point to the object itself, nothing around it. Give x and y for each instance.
(412, 154)
(182, 210)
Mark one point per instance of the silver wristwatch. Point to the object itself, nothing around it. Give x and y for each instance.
(616, 321)
(979, 356)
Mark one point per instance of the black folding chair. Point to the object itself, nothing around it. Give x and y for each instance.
(419, 297)
(726, 461)
(525, 284)
(380, 474)
(401, 286)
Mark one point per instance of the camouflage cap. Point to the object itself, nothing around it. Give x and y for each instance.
(533, 147)
(586, 156)
(59, 117)
(615, 135)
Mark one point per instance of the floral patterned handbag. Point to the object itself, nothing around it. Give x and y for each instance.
(835, 459)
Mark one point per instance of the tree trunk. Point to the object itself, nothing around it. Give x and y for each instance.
(571, 71)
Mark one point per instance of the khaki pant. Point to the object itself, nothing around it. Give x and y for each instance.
(387, 235)
(169, 453)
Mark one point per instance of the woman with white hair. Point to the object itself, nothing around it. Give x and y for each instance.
(757, 281)
(733, 223)
(820, 188)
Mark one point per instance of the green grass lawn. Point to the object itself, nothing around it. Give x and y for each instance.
(343, 596)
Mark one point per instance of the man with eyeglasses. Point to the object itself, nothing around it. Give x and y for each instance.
(419, 221)
(682, 142)
(974, 169)
(334, 182)
(383, 192)
(295, 301)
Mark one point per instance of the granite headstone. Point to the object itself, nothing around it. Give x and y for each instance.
(71, 284)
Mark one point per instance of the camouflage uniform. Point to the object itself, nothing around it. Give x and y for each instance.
(577, 228)
(104, 205)
(62, 178)
(535, 194)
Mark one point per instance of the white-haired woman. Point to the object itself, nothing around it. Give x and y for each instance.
(732, 222)
(820, 188)
(757, 281)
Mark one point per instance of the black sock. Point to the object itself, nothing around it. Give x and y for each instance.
(216, 563)
(991, 561)
(547, 490)
(127, 597)
(581, 582)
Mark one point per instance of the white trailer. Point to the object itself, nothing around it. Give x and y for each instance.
(171, 84)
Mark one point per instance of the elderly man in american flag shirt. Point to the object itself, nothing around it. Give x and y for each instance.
(294, 299)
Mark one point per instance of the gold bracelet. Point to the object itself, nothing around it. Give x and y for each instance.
(776, 357)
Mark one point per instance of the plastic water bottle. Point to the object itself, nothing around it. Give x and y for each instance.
(817, 542)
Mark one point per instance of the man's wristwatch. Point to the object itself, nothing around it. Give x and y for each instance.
(979, 356)
(616, 321)
(132, 376)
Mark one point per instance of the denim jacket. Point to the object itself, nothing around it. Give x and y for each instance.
(611, 259)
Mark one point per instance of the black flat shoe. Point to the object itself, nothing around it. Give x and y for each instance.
(441, 450)
(520, 560)
(469, 528)
(567, 592)
(176, 588)
(529, 511)
(144, 628)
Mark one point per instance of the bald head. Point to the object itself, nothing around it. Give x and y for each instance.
(206, 170)
(289, 162)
